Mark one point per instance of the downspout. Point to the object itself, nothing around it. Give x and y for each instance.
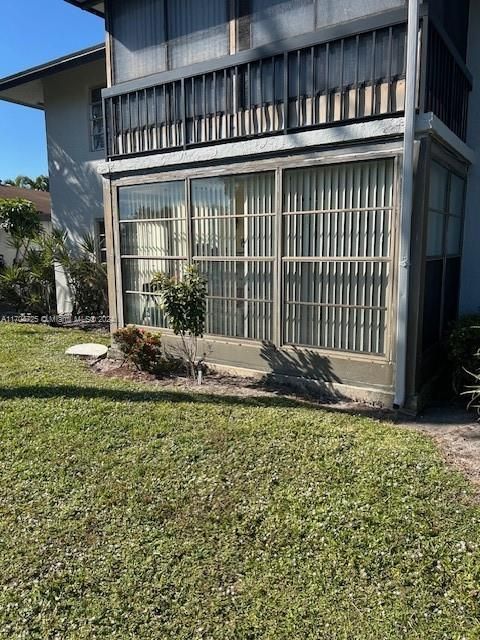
(406, 205)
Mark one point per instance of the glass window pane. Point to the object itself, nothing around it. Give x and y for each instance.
(143, 309)
(337, 211)
(234, 195)
(438, 187)
(154, 239)
(356, 185)
(335, 11)
(138, 274)
(457, 188)
(436, 222)
(138, 30)
(152, 201)
(240, 298)
(273, 20)
(197, 31)
(454, 232)
(233, 216)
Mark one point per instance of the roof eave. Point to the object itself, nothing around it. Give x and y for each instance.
(85, 7)
(54, 66)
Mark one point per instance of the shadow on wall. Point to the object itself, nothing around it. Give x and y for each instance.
(308, 370)
(77, 194)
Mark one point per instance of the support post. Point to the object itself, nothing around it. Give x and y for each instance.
(406, 205)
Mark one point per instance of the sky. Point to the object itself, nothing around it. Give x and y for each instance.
(34, 32)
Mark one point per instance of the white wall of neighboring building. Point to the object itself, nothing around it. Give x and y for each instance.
(6, 251)
(470, 285)
(75, 185)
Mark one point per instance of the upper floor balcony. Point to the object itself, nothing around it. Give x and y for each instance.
(332, 76)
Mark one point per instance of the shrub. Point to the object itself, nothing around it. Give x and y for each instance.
(87, 279)
(141, 348)
(29, 284)
(184, 303)
(20, 219)
(463, 345)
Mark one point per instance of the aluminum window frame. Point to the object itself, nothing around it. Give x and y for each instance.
(392, 150)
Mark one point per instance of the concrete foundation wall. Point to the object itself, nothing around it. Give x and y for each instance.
(75, 185)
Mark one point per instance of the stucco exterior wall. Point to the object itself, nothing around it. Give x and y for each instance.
(75, 185)
(470, 285)
(6, 251)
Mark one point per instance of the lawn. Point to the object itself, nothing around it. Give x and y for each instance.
(127, 512)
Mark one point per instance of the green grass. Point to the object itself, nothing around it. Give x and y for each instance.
(127, 512)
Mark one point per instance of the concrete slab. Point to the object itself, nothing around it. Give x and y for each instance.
(88, 350)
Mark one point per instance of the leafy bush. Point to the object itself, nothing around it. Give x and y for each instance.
(463, 346)
(20, 219)
(141, 348)
(184, 303)
(86, 278)
(29, 284)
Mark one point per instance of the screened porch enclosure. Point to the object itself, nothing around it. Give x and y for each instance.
(292, 256)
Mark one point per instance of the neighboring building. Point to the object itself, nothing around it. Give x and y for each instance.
(69, 92)
(41, 200)
(279, 144)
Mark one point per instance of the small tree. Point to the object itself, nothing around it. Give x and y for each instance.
(184, 303)
(19, 218)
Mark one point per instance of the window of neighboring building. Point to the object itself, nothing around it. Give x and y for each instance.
(326, 281)
(97, 133)
(443, 253)
(101, 241)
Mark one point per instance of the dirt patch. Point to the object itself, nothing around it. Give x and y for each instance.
(455, 430)
(457, 433)
(237, 386)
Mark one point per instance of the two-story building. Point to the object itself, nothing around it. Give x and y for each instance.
(68, 90)
(311, 157)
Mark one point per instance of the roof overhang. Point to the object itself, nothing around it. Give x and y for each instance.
(26, 87)
(96, 7)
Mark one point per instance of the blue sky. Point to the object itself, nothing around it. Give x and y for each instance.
(33, 32)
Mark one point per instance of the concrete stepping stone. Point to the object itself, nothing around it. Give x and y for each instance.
(88, 350)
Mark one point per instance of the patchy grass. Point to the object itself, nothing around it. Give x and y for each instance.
(127, 512)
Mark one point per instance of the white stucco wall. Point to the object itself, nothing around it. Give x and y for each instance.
(7, 251)
(75, 185)
(470, 285)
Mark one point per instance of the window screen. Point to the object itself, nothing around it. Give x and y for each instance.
(443, 251)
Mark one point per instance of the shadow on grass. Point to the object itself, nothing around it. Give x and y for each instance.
(128, 396)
